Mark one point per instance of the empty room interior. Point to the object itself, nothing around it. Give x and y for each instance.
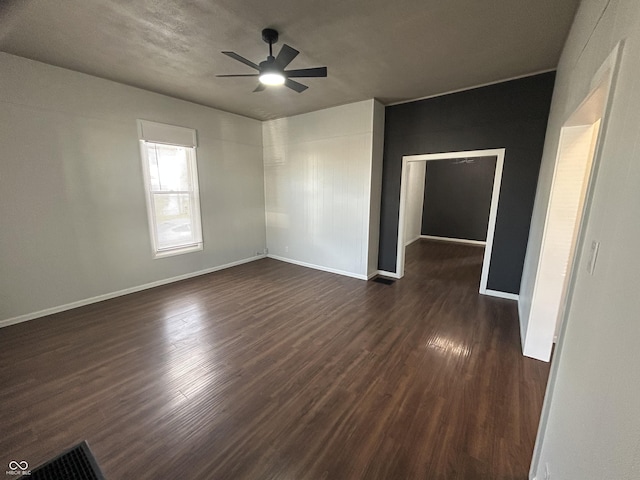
(320, 240)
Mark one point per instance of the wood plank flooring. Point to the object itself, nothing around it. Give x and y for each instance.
(274, 371)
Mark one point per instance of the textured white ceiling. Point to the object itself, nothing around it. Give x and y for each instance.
(389, 50)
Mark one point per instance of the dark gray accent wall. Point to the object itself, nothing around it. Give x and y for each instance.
(511, 115)
(457, 198)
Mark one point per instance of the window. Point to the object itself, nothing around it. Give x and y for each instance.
(171, 185)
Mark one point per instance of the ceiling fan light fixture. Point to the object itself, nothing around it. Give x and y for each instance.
(272, 70)
(271, 78)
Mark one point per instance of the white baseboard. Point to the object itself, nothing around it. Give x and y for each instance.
(99, 298)
(413, 240)
(455, 240)
(496, 293)
(384, 273)
(372, 274)
(359, 276)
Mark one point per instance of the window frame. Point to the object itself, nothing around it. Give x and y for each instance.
(147, 139)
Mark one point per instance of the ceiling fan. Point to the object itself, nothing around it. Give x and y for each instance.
(272, 70)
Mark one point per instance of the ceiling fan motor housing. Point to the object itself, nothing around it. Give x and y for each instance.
(270, 36)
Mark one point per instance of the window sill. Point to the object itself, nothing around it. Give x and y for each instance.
(170, 252)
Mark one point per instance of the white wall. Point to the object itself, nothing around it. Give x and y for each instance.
(415, 201)
(590, 426)
(318, 177)
(73, 222)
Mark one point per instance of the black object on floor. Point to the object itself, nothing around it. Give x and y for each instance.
(386, 281)
(77, 463)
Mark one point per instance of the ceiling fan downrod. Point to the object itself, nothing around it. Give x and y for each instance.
(270, 36)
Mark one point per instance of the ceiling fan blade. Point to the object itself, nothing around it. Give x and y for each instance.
(260, 87)
(307, 72)
(240, 75)
(241, 59)
(286, 55)
(293, 85)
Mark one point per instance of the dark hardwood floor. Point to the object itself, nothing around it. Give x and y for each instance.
(274, 371)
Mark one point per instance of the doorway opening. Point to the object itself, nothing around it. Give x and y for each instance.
(408, 210)
(575, 168)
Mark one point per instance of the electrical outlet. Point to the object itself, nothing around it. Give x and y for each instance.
(286, 249)
(547, 473)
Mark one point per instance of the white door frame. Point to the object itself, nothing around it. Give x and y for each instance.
(493, 211)
(541, 331)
